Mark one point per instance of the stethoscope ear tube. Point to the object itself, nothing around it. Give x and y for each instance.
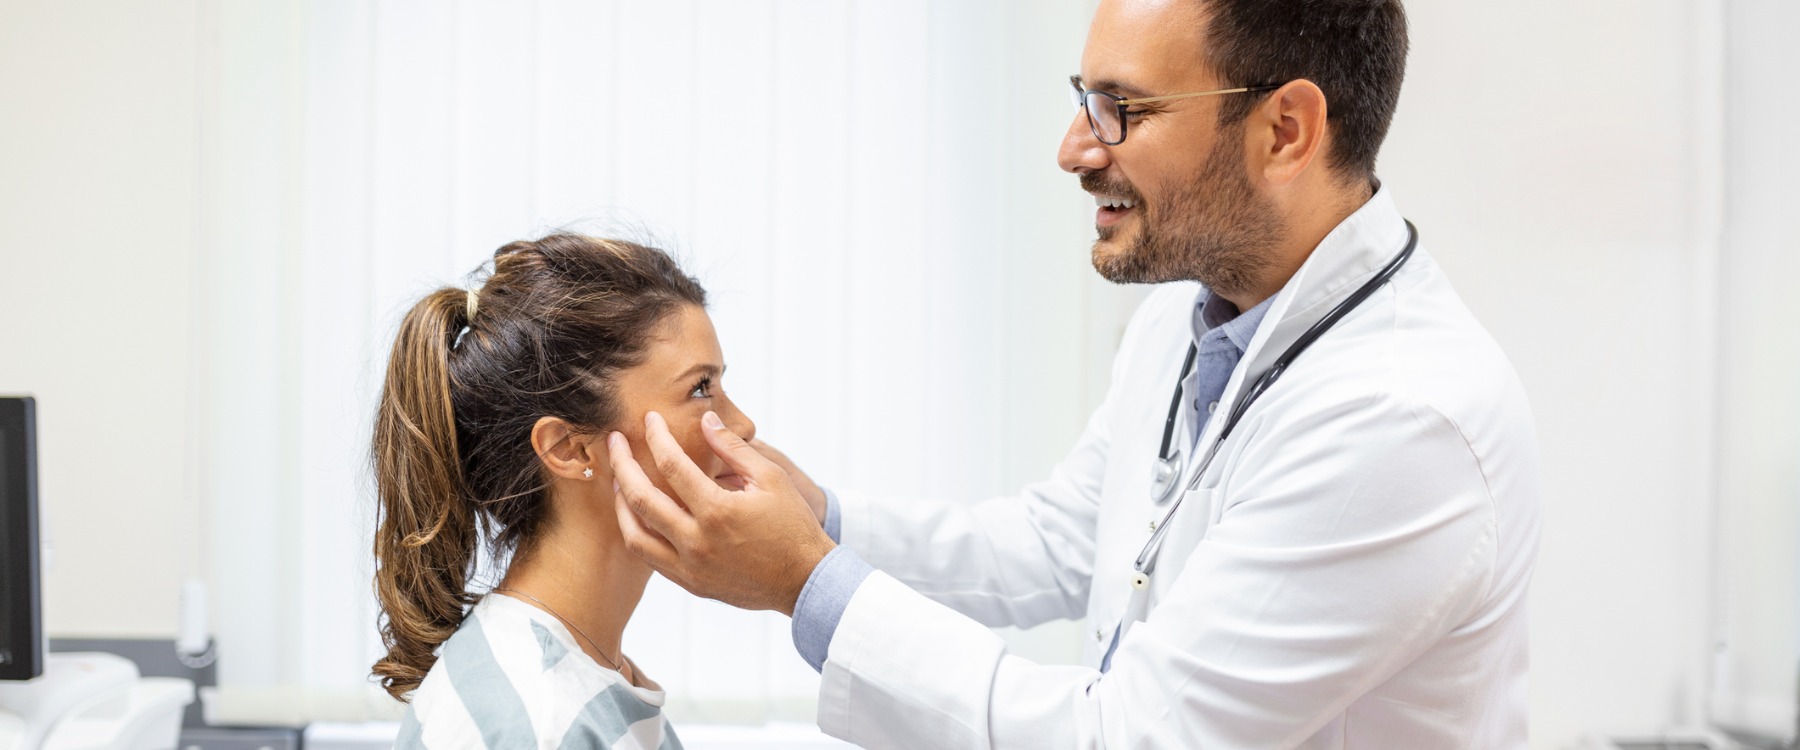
(1146, 559)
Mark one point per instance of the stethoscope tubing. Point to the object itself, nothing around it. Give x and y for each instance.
(1146, 559)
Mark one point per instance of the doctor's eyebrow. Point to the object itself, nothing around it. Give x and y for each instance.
(717, 371)
(1118, 88)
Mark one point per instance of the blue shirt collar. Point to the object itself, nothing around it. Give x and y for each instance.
(1214, 312)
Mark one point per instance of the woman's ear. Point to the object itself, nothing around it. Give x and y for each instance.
(566, 453)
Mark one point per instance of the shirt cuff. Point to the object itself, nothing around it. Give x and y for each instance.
(834, 517)
(822, 602)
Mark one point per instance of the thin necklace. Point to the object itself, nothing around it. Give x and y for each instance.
(618, 665)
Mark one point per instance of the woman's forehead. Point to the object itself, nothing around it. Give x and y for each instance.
(685, 340)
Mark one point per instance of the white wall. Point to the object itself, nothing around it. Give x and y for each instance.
(1558, 160)
(181, 179)
(98, 175)
(1606, 183)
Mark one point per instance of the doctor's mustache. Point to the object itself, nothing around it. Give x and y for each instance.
(1094, 183)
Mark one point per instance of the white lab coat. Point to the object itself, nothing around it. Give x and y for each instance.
(1351, 572)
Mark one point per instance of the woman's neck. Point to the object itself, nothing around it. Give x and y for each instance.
(583, 575)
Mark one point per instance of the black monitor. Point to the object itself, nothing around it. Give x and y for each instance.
(21, 610)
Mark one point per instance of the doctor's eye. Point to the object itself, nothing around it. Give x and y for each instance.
(702, 389)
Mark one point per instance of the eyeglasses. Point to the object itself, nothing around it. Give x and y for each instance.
(1106, 112)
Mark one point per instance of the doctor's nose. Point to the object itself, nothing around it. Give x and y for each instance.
(1080, 152)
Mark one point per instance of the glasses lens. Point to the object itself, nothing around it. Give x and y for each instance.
(1103, 114)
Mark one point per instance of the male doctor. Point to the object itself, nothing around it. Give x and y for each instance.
(1349, 571)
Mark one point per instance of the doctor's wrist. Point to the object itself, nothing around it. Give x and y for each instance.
(822, 602)
(801, 569)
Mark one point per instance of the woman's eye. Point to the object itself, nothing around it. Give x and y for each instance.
(703, 389)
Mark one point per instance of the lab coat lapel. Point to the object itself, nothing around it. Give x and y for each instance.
(1350, 255)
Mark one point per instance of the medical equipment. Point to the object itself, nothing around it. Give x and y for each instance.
(92, 701)
(1172, 467)
(21, 599)
(63, 701)
(1168, 466)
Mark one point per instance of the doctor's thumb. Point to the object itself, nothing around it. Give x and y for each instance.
(737, 452)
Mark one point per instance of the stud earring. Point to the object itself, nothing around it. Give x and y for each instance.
(587, 473)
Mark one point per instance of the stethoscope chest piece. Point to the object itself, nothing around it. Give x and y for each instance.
(1162, 484)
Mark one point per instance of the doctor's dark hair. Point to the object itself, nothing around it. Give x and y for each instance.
(1354, 50)
(469, 377)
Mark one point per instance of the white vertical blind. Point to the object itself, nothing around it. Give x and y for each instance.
(1756, 649)
(867, 189)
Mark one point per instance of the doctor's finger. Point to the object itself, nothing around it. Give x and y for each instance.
(741, 456)
(693, 485)
(648, 545)
(642, 498)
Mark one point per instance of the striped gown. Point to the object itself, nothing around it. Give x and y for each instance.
(513, 677)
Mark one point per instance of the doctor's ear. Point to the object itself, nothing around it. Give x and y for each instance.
(1288, 130)
(567, 453)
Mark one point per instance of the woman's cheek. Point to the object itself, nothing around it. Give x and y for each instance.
(691, 443)
(647, 461)
(696, 449)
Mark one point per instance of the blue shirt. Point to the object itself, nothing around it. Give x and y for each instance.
(1221, 335)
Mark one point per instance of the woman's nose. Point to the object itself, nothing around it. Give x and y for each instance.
(739, 422)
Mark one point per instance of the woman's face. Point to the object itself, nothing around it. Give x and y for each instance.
(681, 378)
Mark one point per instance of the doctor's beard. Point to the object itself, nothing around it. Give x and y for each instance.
(1214, 229)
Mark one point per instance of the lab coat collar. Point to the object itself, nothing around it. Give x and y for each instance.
(1352, 253)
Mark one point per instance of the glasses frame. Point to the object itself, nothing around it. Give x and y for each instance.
(1082, 93)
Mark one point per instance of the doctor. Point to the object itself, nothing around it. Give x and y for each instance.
(1306, 512)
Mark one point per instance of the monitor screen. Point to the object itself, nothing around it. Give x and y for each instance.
(21, 620)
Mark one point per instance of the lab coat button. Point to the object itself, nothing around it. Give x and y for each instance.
(1212, 408)
(1098, 637)
(1152, 525)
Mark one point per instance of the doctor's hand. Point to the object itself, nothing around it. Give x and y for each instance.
(752, 548)
(815, 497)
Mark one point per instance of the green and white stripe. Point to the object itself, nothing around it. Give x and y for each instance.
(513, 677)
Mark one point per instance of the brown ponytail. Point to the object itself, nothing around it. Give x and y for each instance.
(426, 539)
(467, 380)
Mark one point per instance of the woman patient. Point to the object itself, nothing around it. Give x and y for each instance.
(492, 427)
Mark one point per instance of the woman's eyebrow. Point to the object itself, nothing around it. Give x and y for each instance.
(702, 368)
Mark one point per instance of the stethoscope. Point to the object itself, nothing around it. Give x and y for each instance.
(1169, 464)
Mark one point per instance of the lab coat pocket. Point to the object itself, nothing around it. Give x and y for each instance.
(1187, 529)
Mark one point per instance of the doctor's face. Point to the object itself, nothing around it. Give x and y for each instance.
(1175, 200)
(681, 377)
